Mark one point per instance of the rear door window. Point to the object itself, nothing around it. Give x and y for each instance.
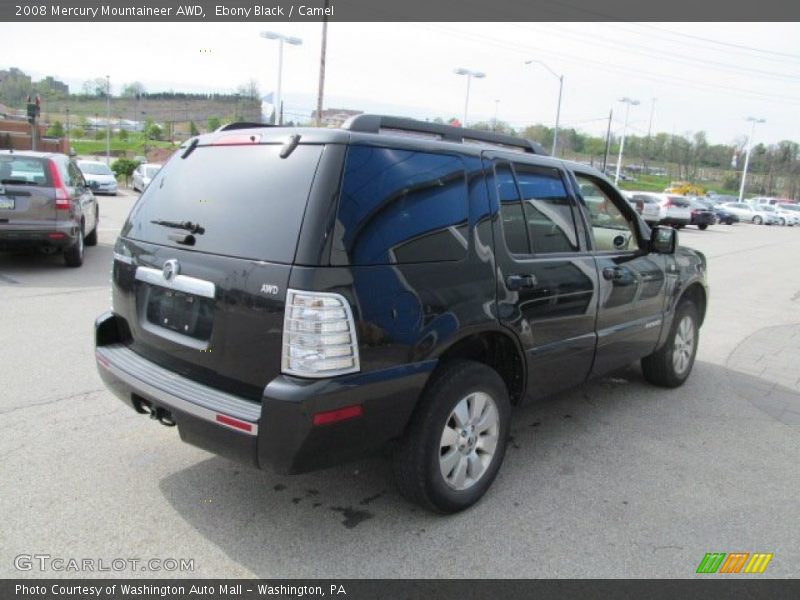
(249, 201)
(402, 206)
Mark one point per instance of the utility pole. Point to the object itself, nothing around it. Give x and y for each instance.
(321, 89)
(108, 119)
(649, 130)
(608, 139)
(628, 102)
(752, 120)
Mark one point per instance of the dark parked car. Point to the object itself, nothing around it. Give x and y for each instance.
(293, 298)
(722, 215)
(702, 216)
(45, 203)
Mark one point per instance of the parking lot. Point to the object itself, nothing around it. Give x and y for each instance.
(613, 479)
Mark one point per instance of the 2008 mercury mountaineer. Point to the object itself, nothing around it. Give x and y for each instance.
(294, 298)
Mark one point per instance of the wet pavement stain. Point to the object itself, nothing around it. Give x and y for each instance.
(279, 488)
(370, 499)
(352, 516)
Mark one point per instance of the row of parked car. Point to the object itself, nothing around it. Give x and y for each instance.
(680, 211)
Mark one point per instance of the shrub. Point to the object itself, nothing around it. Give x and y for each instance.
(124, 167)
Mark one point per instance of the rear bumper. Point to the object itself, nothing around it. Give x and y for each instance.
(60, 234)
(279, 432)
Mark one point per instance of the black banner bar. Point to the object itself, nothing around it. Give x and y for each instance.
(396, 10)
(729, 587)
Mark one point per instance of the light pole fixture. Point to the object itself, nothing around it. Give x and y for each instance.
(628, 103)
(108, 119)
(470, 74)
(558, 107)
(752, 120)
(292, 41)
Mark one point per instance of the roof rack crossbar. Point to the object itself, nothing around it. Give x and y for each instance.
(243, 125)
(448, 133)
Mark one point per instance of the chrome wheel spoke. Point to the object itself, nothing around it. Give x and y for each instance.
(460, 473)
(477, 405)
(488, 420)
(461, 413)
(476, 466)
(449, 437)
(449, 461)
(487, 444)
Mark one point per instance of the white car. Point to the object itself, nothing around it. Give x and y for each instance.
(788, 213)
(648, 206)
(673, 209)
(143, 175)
(100, 178)
(792, 210)
(748, 214)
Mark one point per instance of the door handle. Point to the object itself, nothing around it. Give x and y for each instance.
(517, 282)
(612, 274)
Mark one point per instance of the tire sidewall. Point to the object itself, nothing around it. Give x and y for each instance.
(478, 379)
(684, 309)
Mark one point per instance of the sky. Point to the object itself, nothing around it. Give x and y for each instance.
(703, 76)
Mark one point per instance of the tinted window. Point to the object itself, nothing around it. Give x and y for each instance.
(402, 206)
(249, 200)
(548, 210)
(514, 227)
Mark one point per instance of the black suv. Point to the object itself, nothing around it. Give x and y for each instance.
(294, 298)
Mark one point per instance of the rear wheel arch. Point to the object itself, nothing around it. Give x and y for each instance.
(496, 349)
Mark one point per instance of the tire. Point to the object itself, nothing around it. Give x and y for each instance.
(782, 222)
(420, 460)
(729, 221)
(73, 256)
(702, 226)
(757, 220)
(665, 367)
(91, 239)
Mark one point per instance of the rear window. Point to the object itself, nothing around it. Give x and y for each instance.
(402, 206)
(679, 202)
(249, 201)
(24, 170)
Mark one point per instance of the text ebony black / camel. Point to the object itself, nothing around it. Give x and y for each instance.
(293, 298)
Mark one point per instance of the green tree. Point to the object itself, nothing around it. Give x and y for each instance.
(213, 123)
(133, 89)
(77, 132)
(193, 131)
(99, 134)
(124, 167)
(122, 135)
(154, 132)
(56, 129)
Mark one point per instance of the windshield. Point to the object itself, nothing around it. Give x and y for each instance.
(94, 169)
(151, 171)
(792, 207)
(248, 201)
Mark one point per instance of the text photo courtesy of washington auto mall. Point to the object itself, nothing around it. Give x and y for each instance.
(377, 300)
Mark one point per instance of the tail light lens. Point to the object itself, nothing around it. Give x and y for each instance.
(62, 196)
(319, 335)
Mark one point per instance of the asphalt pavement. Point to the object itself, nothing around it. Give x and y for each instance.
(613, 479)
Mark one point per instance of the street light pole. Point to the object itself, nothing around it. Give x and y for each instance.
(753, 120)
(470, 74)
(628, 103)
(108, 119)
(558, 107)
(293, 41)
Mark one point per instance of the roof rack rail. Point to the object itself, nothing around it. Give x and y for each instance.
(460, 135)
(243, 125)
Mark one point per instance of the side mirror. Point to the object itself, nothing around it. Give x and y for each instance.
(663, 240)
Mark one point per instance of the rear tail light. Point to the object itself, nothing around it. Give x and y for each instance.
(62, 196)
(319, 335)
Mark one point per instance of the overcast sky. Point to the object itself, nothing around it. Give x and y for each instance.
(705, 76)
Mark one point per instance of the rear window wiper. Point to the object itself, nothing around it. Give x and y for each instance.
(18, 182)
(187, 225)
